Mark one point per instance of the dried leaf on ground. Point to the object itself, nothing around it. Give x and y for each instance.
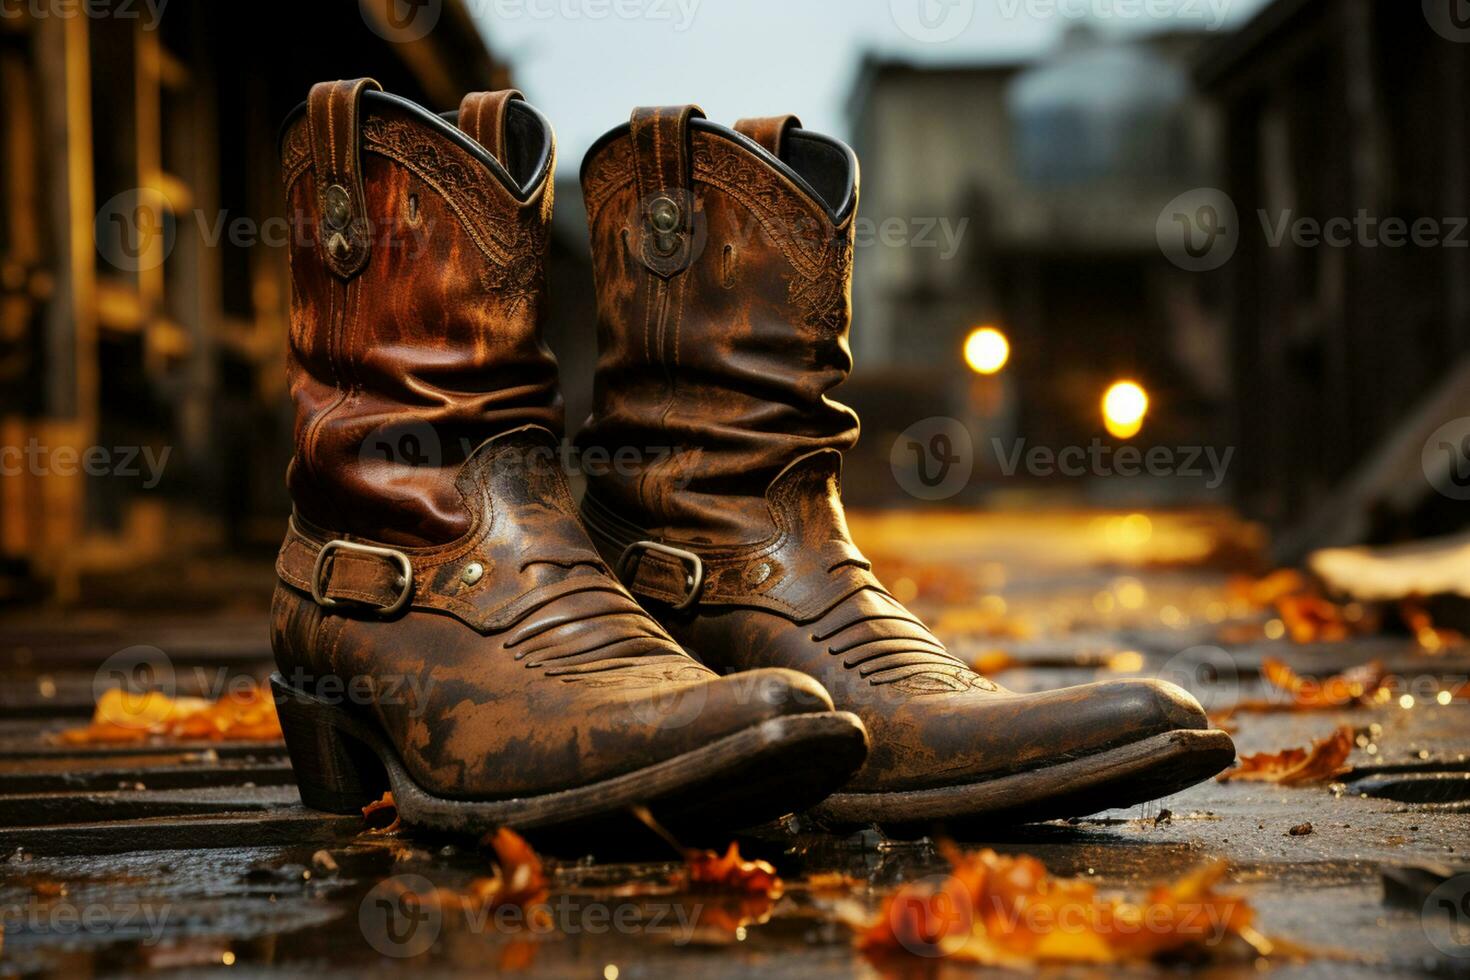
(1310, 618)
(1359, 686)
(1306, 615)
(381, 815)
(125, 716)
(518, 880)
(1263, 592)
(1432, 639)
(1004, 911)
(1321, 763)
(519, 877)
(735, 892)
(709, 871)
(730, 873)
(1354, 686)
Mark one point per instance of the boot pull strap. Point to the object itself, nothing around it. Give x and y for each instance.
(662, 169)
(332, 121)
(482, 116)
(769, 131)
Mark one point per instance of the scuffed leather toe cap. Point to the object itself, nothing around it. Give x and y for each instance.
(946, 741)
(725, 705)
(1176, 705)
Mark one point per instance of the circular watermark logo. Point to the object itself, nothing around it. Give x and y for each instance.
(400, 916)
(138, 672)
(135, 230)
(931, 915)
(1208, 672)
(1446, 459)
(1449, 18)
(403, 450)
(1199, 230)
(933, 458)
(671, 705)
(1446, 917)
(932, 21)
(401, 21)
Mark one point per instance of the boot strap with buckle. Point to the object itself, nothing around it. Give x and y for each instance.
(369, 594)
(694, 575)
(803, 569)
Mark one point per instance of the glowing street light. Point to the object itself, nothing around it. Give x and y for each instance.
(1124, 405)
(986, 350)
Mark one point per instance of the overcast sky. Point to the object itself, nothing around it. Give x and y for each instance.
(587, 62)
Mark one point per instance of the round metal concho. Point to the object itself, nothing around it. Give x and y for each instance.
(338, 206)
(663, 214)
(756, 575)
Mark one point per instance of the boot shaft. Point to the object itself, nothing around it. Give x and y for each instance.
(417, 298)
(723, 261)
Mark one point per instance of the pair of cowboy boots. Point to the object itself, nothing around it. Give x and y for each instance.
(717, 649)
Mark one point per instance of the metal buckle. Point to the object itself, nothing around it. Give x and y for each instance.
(405, 573)
(693, 578)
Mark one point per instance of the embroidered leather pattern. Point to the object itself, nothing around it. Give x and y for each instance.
(606, 175)
(520, 281)
(820, 256)
(516, 246)
(823, 298)
(465, 186)
(295, 152)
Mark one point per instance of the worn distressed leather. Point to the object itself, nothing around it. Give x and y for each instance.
(727, 360)
(509, 661)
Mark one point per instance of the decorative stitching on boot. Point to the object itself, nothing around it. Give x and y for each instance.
(466, 187)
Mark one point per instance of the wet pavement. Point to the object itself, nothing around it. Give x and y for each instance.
(197, 858)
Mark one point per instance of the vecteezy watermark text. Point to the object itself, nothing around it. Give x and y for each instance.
(60, 919)
(403, 916)
(1097, 458)
(1200, 230)
(1211, 13)
(150, 12)
(120, 461)
(1365, 230)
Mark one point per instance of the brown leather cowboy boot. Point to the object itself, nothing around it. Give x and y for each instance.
(443, 626)
(723, 262)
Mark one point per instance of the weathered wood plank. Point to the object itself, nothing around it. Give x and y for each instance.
(286, 826)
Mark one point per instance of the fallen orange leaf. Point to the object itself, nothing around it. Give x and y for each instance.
(1266, 590)
(125, 716)
(1353, 686)
(1312, 619)
(1003, 911)
(1294, 767)
(1358, 686)
(1306, 615)
(519, 878)
(1430, 638)
(730, 873)
(385, 805)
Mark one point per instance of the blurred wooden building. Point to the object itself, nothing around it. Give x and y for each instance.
(1346, 356)
(143, 289)
(1025, 196)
